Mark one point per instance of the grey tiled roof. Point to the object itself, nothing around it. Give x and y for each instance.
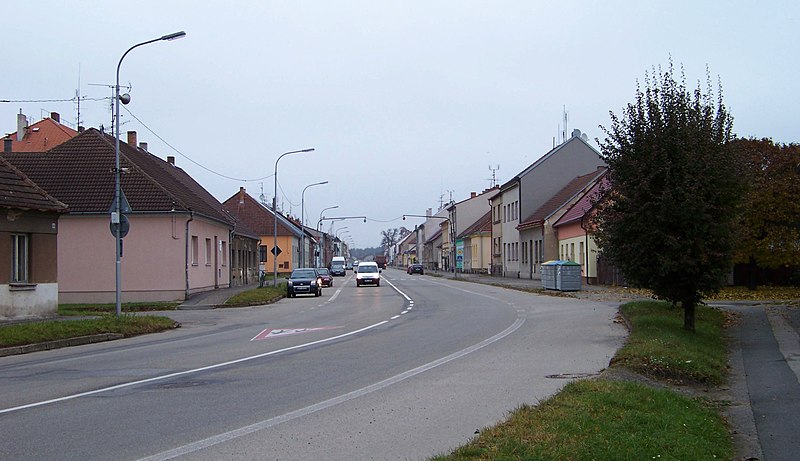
(18, 191)
(80, 173)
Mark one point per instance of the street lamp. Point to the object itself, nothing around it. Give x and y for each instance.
(452, 232)
(275, 215)
(117, 206)
(302, 217)
(321, 257)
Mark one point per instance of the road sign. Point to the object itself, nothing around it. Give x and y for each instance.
(123, 226)
(276, 251)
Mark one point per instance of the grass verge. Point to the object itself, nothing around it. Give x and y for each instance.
(608, 420)
(37, 332)
(110, 308)
(257, 296)
(605, 420)
(659, 347)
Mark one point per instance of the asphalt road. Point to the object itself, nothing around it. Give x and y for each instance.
(406, 370)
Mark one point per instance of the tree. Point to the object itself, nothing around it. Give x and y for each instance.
(769, 226)
(667, 219)
(390, 237)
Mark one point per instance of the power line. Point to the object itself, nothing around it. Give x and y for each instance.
(189, 158)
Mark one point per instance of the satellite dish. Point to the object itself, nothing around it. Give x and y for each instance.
(125, 98)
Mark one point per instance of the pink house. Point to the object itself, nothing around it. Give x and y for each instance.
(179, 239)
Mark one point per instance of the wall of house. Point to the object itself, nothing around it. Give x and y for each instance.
(153, 264)
(497, 235)
(287, 259)
(480, 252)
(573, 236)
(38, 297)
(539, 184)
(529, 260)
(510, 218)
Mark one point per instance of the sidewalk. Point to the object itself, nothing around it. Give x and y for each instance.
(213, 298)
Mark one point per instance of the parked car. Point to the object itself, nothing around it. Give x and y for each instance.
(368, 274)
(325, 276)
(304, 281)
(415, 269)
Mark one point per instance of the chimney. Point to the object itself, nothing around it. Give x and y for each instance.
(132, 139)
(22, 124)
(143, 146)
(81, 129)
(171, 160)
(473, 194)
(7, 143)
(55, 116)
(429, 212)
(241, 195)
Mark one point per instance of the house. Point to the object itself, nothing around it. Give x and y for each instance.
(477, 240)
(464, 214)
(28, 246)
(39, 137)
(522, 248)
(539, 226)
(261, 220)
(179, 236)
(573, 228)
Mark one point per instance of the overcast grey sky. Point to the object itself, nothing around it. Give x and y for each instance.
(405, 102)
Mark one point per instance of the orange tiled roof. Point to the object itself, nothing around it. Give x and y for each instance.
(42, 136)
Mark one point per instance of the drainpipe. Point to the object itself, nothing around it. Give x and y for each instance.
(191, 218)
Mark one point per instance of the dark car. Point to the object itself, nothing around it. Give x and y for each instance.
(415, 269)
(326, 276)
(304, 282)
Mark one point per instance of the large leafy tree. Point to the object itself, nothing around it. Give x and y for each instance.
(769, 227)
(667, 221)
(391, 236)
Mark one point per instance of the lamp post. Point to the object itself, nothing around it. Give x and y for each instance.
(321, 257)
(452, 232)
(275, 215)
(302, 217)
(117, 206)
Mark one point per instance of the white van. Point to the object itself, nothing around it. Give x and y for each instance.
(368, 274)
(337, 266)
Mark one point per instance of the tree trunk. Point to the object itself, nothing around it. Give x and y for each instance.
(688, 315)
(752, 283)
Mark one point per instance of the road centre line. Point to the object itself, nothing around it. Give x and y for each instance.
(267, 423)
(186, 372)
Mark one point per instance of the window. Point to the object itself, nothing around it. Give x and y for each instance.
(223, 248)
(195, 249)
(572, 252)
(524, 252)
(262, 253)
(582, 257)
(208, 252)
(19, 258)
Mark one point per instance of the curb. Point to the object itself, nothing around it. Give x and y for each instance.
(46, 346)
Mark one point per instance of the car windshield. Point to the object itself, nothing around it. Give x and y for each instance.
(323, 271)
(304, 274)
(367, 268)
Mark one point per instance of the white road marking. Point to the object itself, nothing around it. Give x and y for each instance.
(267, 423)
(186, 372)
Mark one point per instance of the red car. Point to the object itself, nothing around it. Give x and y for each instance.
(326, 276)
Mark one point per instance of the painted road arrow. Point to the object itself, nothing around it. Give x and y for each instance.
(274, 333)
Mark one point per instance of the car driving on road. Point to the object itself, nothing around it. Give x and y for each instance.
(304, 282)
(415, 269)
(368, 274)
(325, 276)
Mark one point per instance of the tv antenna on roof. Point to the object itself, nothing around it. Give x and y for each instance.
(493, 179)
